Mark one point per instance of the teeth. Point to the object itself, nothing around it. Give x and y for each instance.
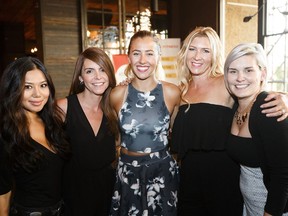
(97, 84)
(241, 86)
(142, 69)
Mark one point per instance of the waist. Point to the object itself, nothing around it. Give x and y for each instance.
(18, 210)
(132, 153)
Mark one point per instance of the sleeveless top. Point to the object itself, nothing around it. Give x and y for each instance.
(89, 151)
(144, 120)
(204, 127)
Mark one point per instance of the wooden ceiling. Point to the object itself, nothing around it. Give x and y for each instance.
(19, 11)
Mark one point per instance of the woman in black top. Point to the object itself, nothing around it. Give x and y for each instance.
(32, 144)
(257, 143)
(91, 128)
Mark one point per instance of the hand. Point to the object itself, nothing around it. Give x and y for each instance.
(125, 82)
(277, 107)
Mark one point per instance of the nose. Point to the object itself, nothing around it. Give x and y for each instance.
(36, 92)
(198, 55)
(142, 58)
(240, 76)
(97, 74)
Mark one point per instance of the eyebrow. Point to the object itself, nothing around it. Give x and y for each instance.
(27, 82)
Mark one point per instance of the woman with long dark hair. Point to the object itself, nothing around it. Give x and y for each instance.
(32, 142)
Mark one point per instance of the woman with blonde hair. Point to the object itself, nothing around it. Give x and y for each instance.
(209, 178)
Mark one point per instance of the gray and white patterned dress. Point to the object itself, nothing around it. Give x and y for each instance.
(145, 185)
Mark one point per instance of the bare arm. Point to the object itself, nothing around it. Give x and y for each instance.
(277, 107)
(4, 204)
(172, 99)
(63, 103)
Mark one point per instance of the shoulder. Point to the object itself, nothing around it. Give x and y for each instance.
(260, 99)
(118, 91)
(117, 96)
(63, 104)
(171, 89)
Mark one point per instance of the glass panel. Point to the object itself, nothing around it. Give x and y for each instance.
(276, 44)
(103, 20)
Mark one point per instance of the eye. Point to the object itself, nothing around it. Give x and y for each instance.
(135, 54)
(232, 71)
(88, 71)
(27, 86)
(191, 49)
(206, 51)
(102, 70)
(44, 85)
(150, 54)
(249, 70)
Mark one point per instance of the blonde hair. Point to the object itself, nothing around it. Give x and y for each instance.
(142, 34)
(244, 49)
(217, 56)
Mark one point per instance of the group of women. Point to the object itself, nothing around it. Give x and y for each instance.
(56, 156)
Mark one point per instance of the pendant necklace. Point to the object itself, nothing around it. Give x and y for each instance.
(241, 117)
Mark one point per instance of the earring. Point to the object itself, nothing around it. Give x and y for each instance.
(81, 82)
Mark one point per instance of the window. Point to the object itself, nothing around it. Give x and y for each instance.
(109, 24)
(275, 34)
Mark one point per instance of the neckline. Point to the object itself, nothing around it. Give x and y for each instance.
(87, 121)
(133, 87)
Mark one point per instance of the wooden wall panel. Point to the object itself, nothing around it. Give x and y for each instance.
(61, 38)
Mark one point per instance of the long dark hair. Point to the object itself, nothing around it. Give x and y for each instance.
(14, 126)
(102, 59)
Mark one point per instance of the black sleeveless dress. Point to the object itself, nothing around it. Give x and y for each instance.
(88, 176)
(209, 178)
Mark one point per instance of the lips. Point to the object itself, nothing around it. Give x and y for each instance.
(36, 103)
(142, 68)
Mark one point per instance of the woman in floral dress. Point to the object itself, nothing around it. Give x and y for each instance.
(147, 175)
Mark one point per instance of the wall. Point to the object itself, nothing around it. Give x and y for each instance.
(238, 31)
(185, 15)
(61, 40)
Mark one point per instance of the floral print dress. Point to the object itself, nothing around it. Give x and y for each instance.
(148, 184)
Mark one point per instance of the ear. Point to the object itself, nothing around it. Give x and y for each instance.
(80, 79)
(263, 74)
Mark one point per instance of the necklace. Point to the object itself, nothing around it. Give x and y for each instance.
(241, 117)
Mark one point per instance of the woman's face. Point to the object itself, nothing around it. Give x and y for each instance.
(144, 57)
(36, 91)
(244, 77)
(94, 77)
(199, 56)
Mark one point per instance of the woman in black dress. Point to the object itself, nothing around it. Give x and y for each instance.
(91, 128)
(209, 178)
(32, 143)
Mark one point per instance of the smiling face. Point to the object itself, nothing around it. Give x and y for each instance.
(36, 91)
(244, 77)
(144, 57)
(199, 56)
(94, 77)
